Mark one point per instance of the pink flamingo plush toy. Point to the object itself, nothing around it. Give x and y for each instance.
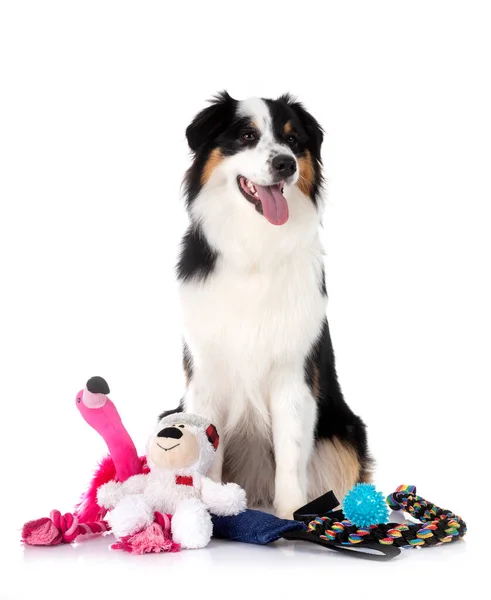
(123, 462)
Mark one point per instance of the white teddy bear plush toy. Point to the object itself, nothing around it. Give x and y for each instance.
(179, 454)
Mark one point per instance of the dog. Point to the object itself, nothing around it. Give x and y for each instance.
(257, 351)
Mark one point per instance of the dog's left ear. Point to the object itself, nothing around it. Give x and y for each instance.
(211, 121)
(310, 124)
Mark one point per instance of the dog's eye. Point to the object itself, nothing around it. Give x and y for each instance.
(181, 426)
(248, 136)
(292, 140)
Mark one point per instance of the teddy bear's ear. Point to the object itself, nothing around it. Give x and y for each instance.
(212, 435)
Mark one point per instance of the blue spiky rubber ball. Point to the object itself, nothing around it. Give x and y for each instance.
(364, 506)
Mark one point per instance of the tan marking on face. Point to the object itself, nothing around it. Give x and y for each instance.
(211, 164)
(306, 174)
(287, 128)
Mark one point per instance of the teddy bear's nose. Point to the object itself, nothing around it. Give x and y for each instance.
(170, 432)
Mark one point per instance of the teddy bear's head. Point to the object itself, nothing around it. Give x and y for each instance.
(183, 442)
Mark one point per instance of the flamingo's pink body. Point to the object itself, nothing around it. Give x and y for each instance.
(88, 510)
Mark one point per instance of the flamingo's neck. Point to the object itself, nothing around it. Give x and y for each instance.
(106, 421)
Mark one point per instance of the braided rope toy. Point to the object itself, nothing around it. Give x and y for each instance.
(438, 526)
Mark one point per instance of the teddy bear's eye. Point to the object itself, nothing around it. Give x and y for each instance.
(181, 426)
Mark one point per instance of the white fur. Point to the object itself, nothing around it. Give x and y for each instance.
(222, 500)
(191, 525)
(131, 514)
(111, 493)
(252, 322)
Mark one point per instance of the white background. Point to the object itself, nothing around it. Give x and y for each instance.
(95, 98)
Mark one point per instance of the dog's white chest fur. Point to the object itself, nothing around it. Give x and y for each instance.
(242, 324)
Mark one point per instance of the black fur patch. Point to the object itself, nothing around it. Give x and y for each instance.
(173, 411)
(188, 368)
(197, 258)
(211, 121)
(322, 285)
(335, 418)
(187, 361)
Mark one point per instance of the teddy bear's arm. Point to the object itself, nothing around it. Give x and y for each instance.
(111, 493)
(223, 500)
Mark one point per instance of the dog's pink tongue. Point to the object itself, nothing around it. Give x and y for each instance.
(275, 207)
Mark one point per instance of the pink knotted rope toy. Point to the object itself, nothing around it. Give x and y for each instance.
(58, 529)
(154, 538)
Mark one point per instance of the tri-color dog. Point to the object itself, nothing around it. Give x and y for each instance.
(257, 350)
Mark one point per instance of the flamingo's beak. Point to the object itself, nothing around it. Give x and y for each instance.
(94, 394)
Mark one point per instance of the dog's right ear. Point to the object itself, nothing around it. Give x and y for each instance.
(211, 121)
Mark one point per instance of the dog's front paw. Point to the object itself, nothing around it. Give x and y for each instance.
(285, 512)
(286, 504)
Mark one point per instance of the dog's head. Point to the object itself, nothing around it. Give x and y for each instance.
(260, 152)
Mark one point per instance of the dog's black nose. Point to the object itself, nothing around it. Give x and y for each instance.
(170, 432)
(284, 165)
